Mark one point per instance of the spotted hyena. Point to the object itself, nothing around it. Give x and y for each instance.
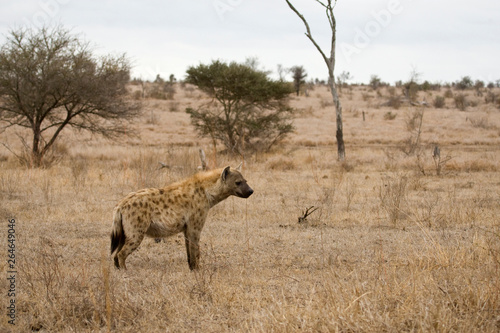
(180, 207)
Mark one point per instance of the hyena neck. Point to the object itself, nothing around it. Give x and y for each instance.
(216, 194)
(214, 199)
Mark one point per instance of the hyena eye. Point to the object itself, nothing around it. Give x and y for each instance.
(238, 183)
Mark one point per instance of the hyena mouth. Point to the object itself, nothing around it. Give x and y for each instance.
(246, 193)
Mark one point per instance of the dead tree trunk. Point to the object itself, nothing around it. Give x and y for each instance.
(330, 63)
(203, 160)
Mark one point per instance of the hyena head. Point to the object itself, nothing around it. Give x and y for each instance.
(235, 183)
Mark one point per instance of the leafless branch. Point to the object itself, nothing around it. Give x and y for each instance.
(63, 85)
(309, 34)
(306, 213)
(330, 63)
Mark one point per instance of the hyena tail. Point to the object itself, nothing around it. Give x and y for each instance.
(117, 234)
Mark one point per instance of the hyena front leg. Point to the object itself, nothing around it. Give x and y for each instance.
(192, 238)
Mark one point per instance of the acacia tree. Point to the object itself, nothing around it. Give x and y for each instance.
(330, 63)
(49, 80)
(298, 75)
(247, 110)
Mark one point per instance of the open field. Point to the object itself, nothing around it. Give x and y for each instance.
(393, 247)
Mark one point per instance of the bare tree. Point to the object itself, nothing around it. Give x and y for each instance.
(411, 88)
(49, 79)
(342, 80)
(282, 71)
(330, 63)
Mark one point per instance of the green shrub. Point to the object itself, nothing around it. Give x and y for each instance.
(448, 94)
(439, 102)
(461, 102)
(389, 116)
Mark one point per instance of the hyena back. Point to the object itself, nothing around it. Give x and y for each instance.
(180, 207)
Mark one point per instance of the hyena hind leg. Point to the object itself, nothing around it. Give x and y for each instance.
(131, 244)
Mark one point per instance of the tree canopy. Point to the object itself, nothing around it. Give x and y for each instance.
(49, 79)
(248, 109)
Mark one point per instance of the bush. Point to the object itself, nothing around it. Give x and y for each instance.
(394, 102)
(410, 90)
(162, 90)
(375, 82)
(439, 102)
(461, 102)
(464, 83)
(389, 116)
(448, 94)
(491, 97)
(480, 122)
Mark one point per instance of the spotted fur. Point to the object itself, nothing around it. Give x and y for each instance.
(179, 207)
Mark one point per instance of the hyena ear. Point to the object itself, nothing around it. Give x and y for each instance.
(225, 173)
(238, 168)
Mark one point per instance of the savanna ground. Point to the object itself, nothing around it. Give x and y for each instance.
(393, 247)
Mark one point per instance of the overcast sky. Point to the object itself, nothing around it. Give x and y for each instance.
(443, 40)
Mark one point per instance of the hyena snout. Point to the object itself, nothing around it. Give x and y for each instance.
(243, 190)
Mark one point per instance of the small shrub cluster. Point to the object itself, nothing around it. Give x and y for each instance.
(464, 83)
(439, 102)
(325, 103)
(173, 106)
(393, 195)
(366, 96)
(492, 98)
(480, 122)
(281, 163)
(461, 101)
(165, 91)
(389, 116)
(394, 102)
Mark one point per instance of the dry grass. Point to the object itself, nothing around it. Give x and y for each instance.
(388, 250)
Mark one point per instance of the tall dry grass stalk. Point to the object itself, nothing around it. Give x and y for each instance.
(393, 196)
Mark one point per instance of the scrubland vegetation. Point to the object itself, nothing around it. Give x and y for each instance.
(405, 238)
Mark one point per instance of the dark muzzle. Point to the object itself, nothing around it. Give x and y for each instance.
(245, 192)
